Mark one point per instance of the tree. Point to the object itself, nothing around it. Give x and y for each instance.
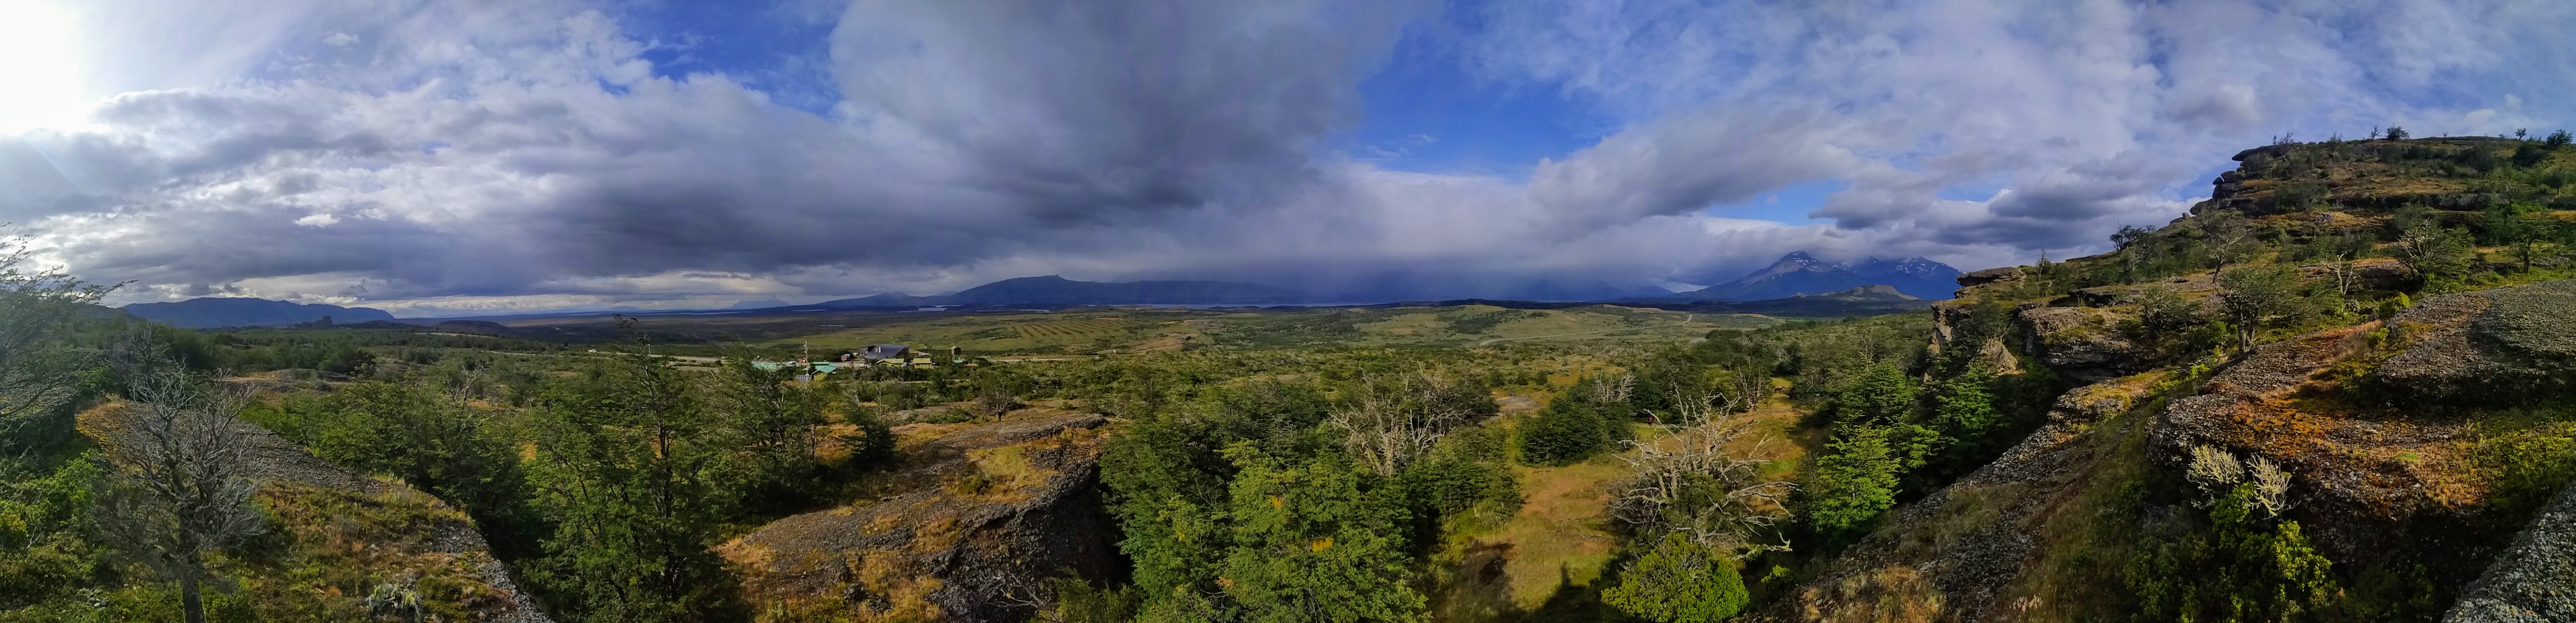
(771, 420)
(1390, 424)
(1881, 394)
(2556, 140)
(2227, 237)
(2396, 133)
(2523, 227)
(2256, 296)
(1568, 430)
(1967, 411)
(2425, 247)
(1693, 485)
(184, 488)
(2126, 241)
(1853, 481)
(627, 465)
(36, 367)
(1313, 543)
(1680, 581)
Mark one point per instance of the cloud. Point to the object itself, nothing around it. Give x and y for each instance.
(457, 156)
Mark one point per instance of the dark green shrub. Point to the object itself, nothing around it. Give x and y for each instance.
(1567, 431)
(1680, 581)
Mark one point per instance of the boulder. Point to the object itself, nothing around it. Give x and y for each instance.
(2534, 580)
(2467, 348)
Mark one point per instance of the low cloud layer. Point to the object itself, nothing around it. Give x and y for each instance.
(444, 157)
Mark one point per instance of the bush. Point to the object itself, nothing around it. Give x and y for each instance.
(1567, 431)
(1680, 581)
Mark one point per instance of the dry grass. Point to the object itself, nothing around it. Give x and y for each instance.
(1560, 536)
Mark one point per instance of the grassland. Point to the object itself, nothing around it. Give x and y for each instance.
(1148, 329)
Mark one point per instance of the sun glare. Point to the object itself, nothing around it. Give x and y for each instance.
(40, 79)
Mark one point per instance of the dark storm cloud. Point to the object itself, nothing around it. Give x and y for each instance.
(458, 155)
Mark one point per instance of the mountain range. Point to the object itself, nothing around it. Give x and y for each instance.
(1797, 281)
(1799, 273)
(211, 312)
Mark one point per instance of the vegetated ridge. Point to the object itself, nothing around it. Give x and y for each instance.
(2338, 391)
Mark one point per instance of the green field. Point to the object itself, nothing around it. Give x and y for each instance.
(1144, 329)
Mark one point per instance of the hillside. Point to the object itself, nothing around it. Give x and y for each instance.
(212, 312)
(2283, 403)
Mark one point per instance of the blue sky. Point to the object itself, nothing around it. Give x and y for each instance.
(465, 156)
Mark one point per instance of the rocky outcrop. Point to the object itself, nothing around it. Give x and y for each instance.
(1982, 277)
(2373, 473)
(2082, 344)
(1961, 553)
(968, 530)
(2494, 347)
(434, 540)
(2534, 580)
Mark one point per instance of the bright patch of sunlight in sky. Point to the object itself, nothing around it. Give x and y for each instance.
(40, 79)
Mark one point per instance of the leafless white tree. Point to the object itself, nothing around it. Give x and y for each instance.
(1389, 425)
(1607, 389)
(1692, 483)
(184, 493)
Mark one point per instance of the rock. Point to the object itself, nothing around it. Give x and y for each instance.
(2461, 348)
(2534, 580)
(2080, 343)
(1990, 275)
(2099, 296)
(2381, 273)
(969, 529)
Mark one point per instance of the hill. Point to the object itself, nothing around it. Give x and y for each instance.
(209, 312)
(1801, 274)
(1055, 290)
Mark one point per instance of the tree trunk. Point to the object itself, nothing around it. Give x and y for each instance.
(192, 599)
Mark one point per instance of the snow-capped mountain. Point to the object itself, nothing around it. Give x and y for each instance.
(1800, 273)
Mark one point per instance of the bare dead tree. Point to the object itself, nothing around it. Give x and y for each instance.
(1609, 389)
(1387, 427)
(1692, 483)
(184, 491)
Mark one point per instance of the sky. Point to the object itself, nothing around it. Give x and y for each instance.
(436, 157)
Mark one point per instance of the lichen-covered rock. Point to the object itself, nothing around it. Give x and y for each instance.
(968, 530)
(2534, 580)
(2083, 344)
(1982, 277)
(2500, 346)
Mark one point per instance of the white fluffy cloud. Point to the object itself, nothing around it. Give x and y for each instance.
(446, 156)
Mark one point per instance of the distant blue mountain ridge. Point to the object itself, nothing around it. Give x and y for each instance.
(213, 312)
